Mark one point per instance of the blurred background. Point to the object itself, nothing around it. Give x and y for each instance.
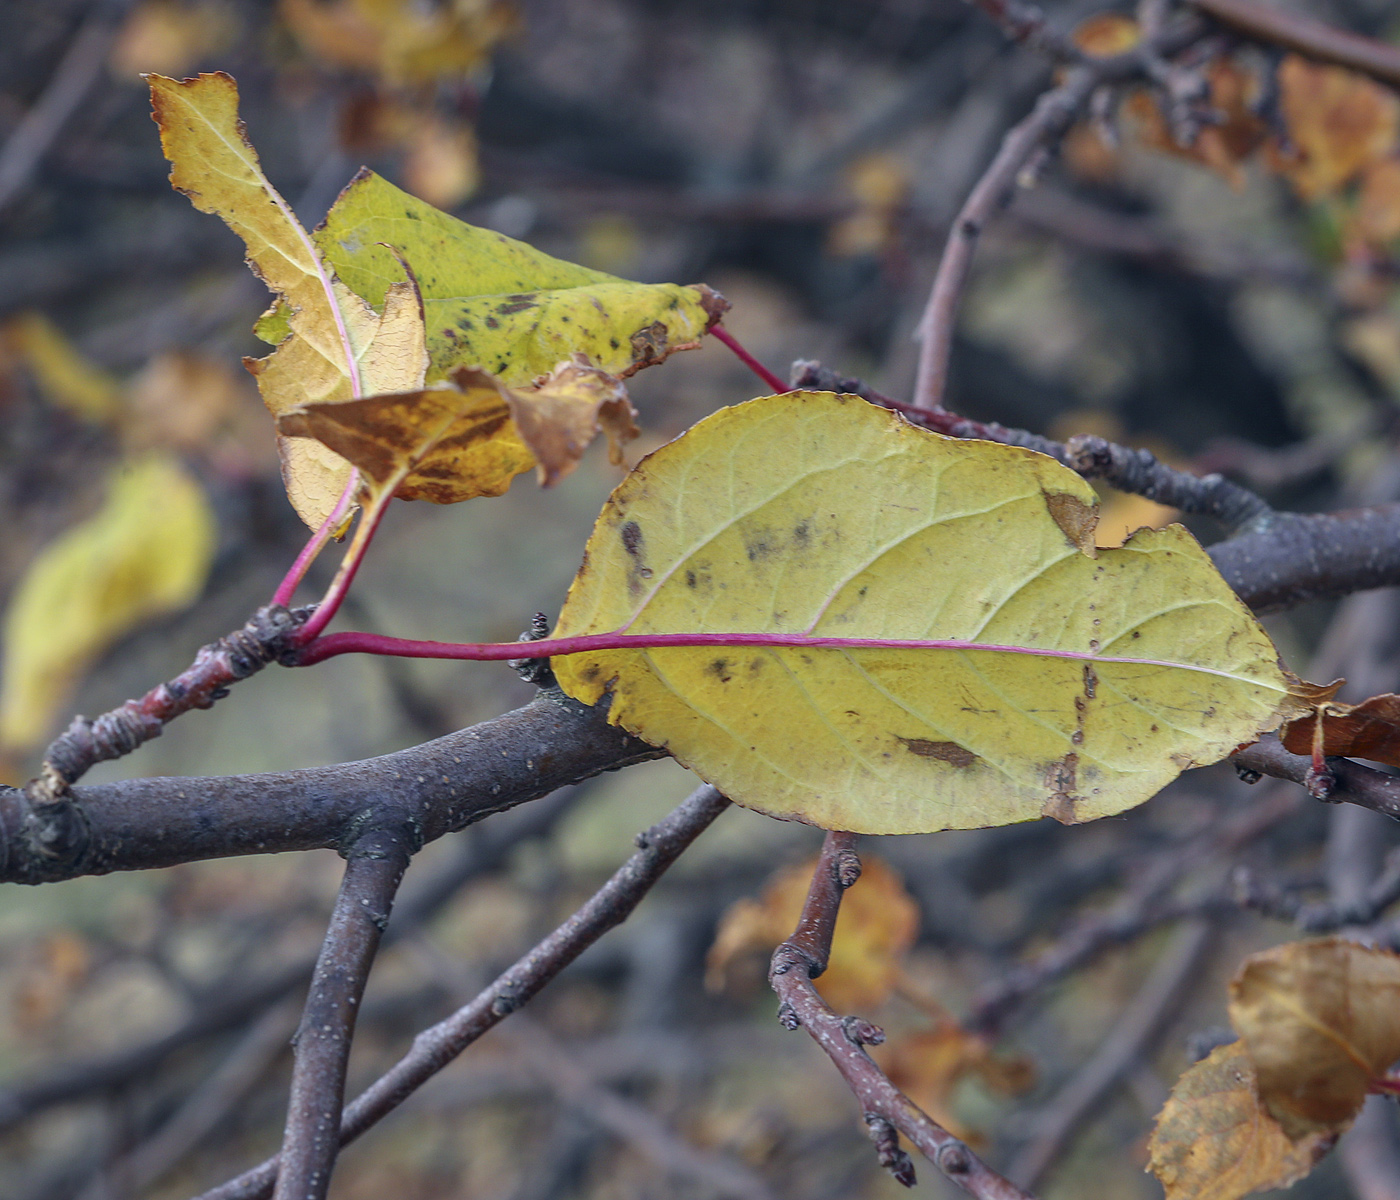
(804, 159)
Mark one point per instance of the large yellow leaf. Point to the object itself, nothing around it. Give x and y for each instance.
(336, 346)
(1215, 1141)
(65, 376)
(498, 304)
(1319, 1019)
(145, 553)
(814, 515)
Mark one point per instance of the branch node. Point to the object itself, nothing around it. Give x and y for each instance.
(847, 868)
(1247, 775)
(954, 1159)
(1320, 782)
(787, 1015)
(534, 670)
(887, 1149)
(862, 1032)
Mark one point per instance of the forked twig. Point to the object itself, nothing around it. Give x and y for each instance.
(888, 1111)
(435, 1048)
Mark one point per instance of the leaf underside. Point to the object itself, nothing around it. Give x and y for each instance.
(813, 513)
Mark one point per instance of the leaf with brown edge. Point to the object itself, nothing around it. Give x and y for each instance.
(1320, 1020)
(1369, 730)
(333, 345)
(445, 444)
(1215, 1141)
(566, 410)
(876, 926)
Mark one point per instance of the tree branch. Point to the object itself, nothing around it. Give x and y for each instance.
(374, 867)
(443, 785)
(1353, 783)
(887, 1110)
(435, 1048)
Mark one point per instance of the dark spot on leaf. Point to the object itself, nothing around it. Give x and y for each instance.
(948, 752)
(632, 538)
(690, 579)
(719, 669)
(492, 323)
(1136, 634)
(1091, 681)
(637, 570)
(1075, 519)
(801, 534)
(1061, 778)
(649, 344)
(755, 666)
(615, 343)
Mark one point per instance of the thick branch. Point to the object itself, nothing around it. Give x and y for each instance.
(442, 785)
(435, 1048)
(887, 1110)
(374, 867)
(1354, 784)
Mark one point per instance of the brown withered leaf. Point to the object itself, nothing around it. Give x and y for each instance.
(1224, 145)
(1370, 730)
(1320, 1020)
(929, 1065)
(560, 416)
(875, 928)
(447, 443)
(1338, 121)
(1215, 1141)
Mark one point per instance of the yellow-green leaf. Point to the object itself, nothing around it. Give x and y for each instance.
(1319, 1019)
(1215, 1141)
(145, 553)
(496, 303)
(816, 515)
(337, 346)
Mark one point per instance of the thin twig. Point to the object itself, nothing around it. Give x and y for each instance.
(231, 1001)
(1127, 1041)
(887, 1110)
(435, 1048)
(374, 867)
(1138, 472)
(77, 71)
(1350, 782)
(203, 1110)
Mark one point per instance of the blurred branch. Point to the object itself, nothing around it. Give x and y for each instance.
(374, 866)
(1127, 1041)
(435, 1048)
(1315, 39)
(71, 81)
(232, 1000)
(888, 1112)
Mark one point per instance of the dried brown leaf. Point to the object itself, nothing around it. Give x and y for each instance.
(1320, 1020)
(1215, 1141)
(1370, 730)
(561, 415)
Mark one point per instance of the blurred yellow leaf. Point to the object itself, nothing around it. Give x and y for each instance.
(825, 517)
(879, 184)
(338, 346)
(1374, 338)
(181, 399)
(929, 1065)
(401, 41)
(146, 552)
(441, 166)
(1320, 1020)
(63, 374)
(1215, 1141)
(1377, 218)
(1106, 35)
(1339, 123)
(876, 926)
(170, 37)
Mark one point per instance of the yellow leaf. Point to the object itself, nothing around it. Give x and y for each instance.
(1339, 122)
(876, 926)
(1319, 1019)
(815, 515)
(929, 1065)
(1106, 35)
(171, 36)
(401, 41)
(1377, 217)
(498, 304)
(441, 165)
(65, 376)
(147, 552)
(337, 346)
(1215, 1141)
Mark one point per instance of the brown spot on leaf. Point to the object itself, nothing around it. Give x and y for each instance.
(1061, 778)
(1075, 518)
(948, 752)
(719, 669)
(1091, 681)
(637, 570)
(649, 344)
